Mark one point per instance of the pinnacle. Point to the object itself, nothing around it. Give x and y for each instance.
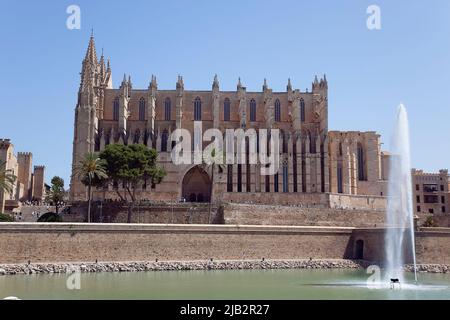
(91, 54)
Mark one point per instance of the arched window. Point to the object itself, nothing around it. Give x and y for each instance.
(116, 109)
(164, 138)
(361, 163)
(285, 178)
(302, 110)
(239, 178)
(275, 182)
(277, 110)
(230, 178)
(167, 109)
(340, 149)
(285, 140)
(197, 109)
(312, 146)
(252, 110)
(339, 178)
(294, 166)
(142, 109)
(226, 109)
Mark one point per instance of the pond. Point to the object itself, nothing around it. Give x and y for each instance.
(228, 285)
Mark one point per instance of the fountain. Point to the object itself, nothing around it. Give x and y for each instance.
(399, 237)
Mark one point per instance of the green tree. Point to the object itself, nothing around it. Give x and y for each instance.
(56, 193)
(131, 166)
(50, 217)
(7, 180)
(429, 222)
(91, 170)
(6, 218)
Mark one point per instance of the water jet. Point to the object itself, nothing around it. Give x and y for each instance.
(399, 237)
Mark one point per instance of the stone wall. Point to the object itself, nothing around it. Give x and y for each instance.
(320, 200)
(233, 213)
(178, 213)
(441, 220)
(62, 242)
(343, 201)
(280, 198)
(247, 214)
(46, 242)
(432, 245)
(240, 214)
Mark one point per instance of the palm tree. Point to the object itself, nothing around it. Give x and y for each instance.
(88, 170)
(212, 166)
(7, 180)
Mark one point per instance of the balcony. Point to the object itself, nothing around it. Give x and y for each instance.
(430, 188)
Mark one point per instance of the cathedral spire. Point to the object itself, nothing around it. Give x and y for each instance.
(102, 67)
(153, 83)
(91, 54)
(265, 84)
(88, 71)
(289, 86)
(180, 83)
(215, 84)
(130, 85)
(239, 85)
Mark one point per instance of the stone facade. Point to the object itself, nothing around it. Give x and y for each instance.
(38, 183)
(431, 191)
(313, 160)
(7, 156)
(25, 174)
(28, 185)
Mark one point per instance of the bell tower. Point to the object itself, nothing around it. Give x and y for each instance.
(86, 115)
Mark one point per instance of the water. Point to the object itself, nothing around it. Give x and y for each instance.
(399, 241)
(227, 285)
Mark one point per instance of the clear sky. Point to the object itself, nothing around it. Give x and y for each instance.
(369, 72)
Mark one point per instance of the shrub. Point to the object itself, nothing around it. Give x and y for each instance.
(429, 222)
(219, 216)
(50, 217)
(6, 218)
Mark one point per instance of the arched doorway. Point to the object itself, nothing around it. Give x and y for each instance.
(359, 249)
(196, 185)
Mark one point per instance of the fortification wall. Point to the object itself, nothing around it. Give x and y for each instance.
(40, 242)
(62, 242)
(280, 198)
(177, 213)
(301, 216)
(345, 201)
(432, 245)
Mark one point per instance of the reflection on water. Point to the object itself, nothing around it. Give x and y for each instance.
(235, 284)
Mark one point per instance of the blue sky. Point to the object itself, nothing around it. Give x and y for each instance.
(369, 72)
